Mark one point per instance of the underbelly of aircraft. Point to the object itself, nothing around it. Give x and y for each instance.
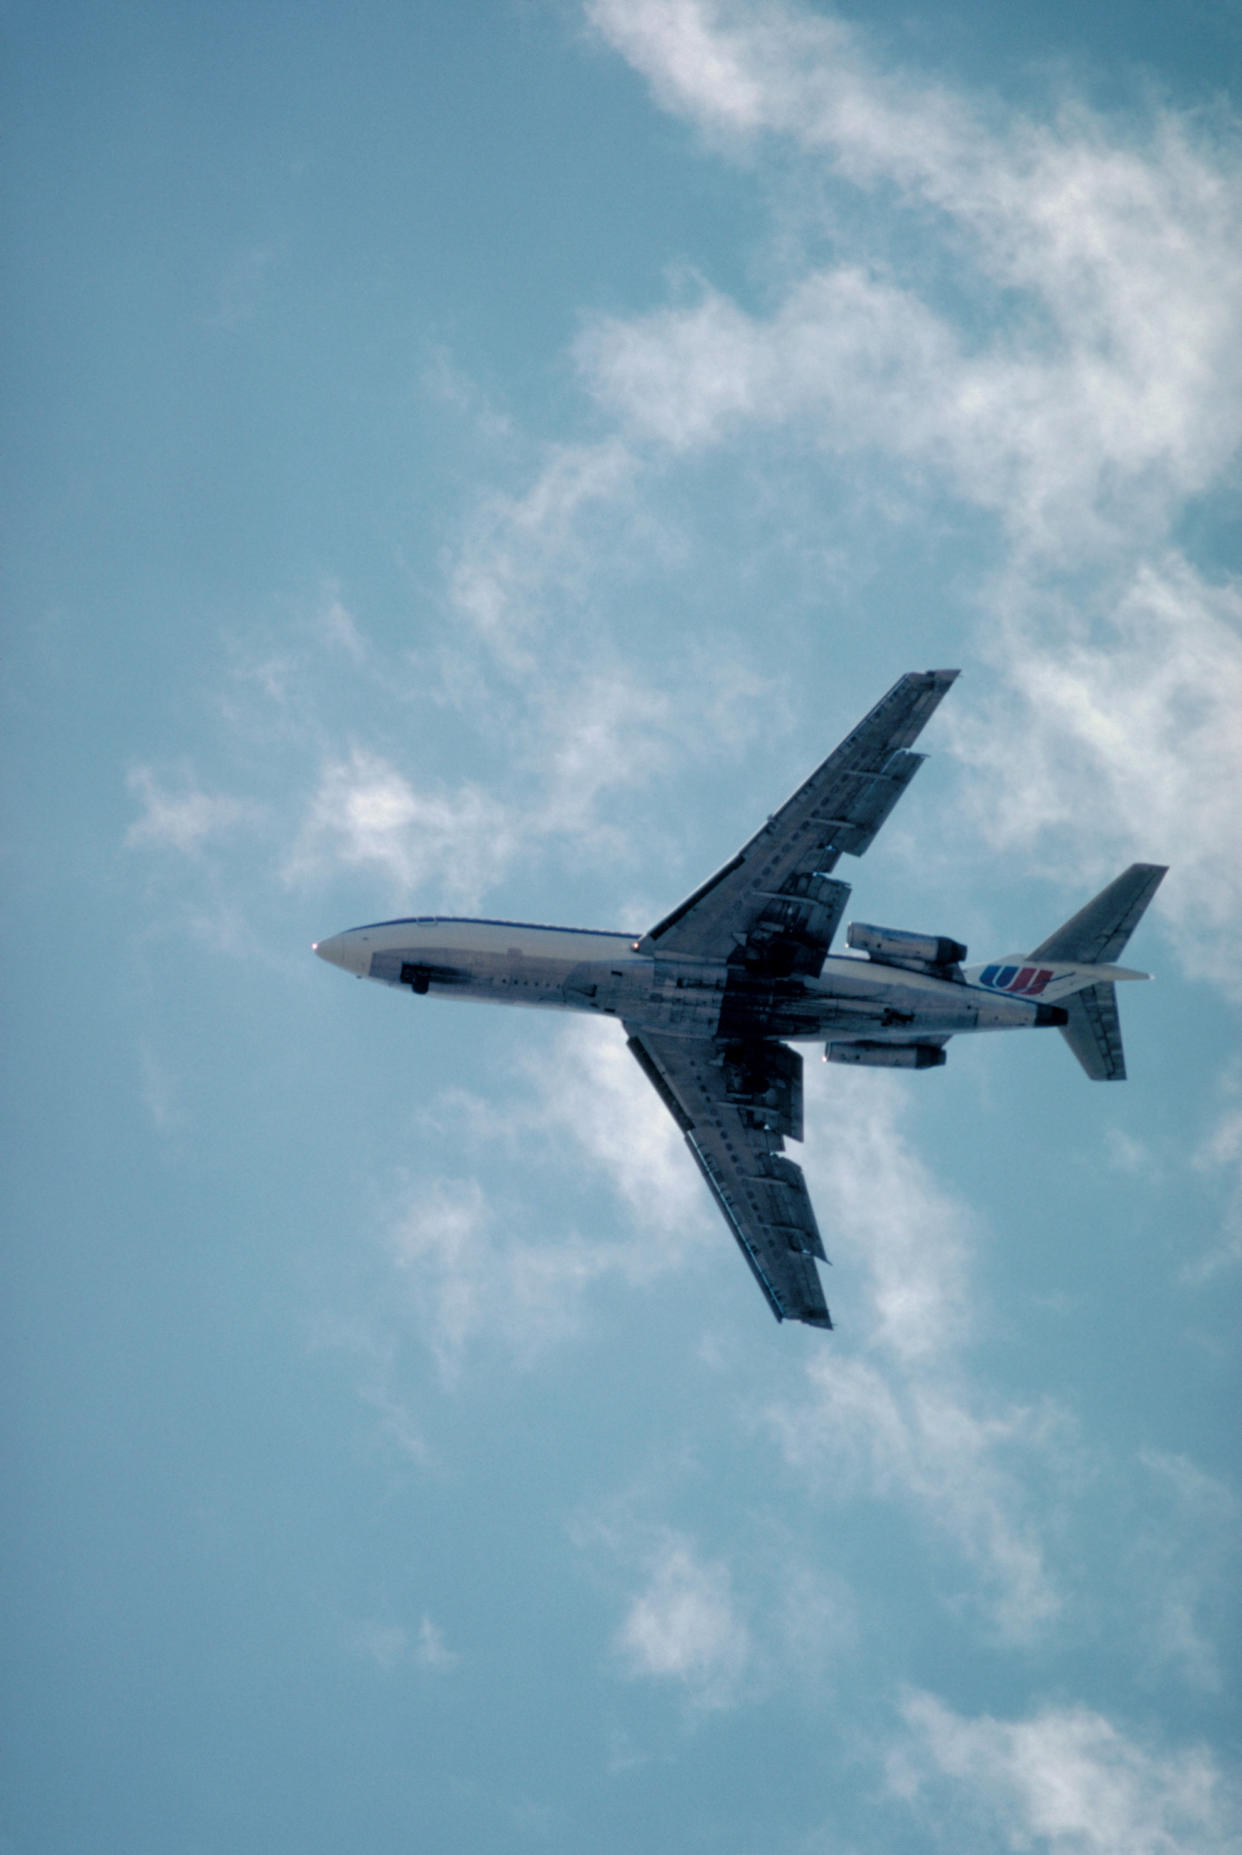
(684, 1000)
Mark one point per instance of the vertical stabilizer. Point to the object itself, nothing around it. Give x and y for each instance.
(1098, 933)
(1094, 937)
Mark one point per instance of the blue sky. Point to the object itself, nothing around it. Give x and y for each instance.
(480, 459)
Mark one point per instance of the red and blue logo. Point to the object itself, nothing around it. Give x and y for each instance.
(1028, 980)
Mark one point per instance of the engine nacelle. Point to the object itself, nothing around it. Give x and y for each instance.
(886, 1055)
(892, 946)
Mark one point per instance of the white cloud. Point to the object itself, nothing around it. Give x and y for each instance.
(1219, 1156)
(1094, 393)
(1066, 1781)
(375, 1351)
(1059, 446)
(366, 814)
(432, 1652)
(1112, 387)
(692, 64)
(684, 1625)
(478, 1268)
(182, 816)
(727, 1630)
(159, 1090)
(577, 742)
(521, 551)
(591, 1092)
(965, 1461)
(617, 735)
(1185, 1558)
(441, 1246)
(902, 1418)
(1095, 388)
(473, 1277)
(908, 1237)
(1128, 1155)
(445, 381)
(338, 625)
(1119, 741)
(398, 1425)
(389, 1647)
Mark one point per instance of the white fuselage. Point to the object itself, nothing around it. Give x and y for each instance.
(576, 969)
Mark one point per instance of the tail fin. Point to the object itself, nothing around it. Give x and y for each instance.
(1099, 932)
(1094, 937)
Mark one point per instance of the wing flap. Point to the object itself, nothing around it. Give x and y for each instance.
(793, 932)
(866, 801)
(764, 1082)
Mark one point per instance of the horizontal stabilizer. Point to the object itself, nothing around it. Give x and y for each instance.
(1024, 976)
(1094, 1033)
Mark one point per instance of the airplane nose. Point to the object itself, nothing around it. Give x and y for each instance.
(345, 951)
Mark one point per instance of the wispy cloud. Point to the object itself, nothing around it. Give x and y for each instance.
(1066, 1780)
(373, 1348)
(338, 624)
(1184, 1558)
(1083, 415)
(480, 1267)
(683, 1625)
(158, 1089)
(1110, 395)
(177, 814)
(432, 1652)
(963, 1459)
(721, 1629)
(591, 1092)
(440, 1247)
(908, 1236)
(581, 739)
(366, 814)
(389, 1646)
(902, 1417)
(580, 744)
(1218, 1158)
(528, 555)
(1113, 736)
(1099, 394)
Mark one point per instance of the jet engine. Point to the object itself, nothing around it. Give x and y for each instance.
(886, 1055)
(893, 947)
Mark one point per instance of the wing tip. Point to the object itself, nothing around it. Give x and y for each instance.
(930, 679)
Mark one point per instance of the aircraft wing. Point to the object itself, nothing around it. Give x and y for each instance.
(733, 1102)
(776, 901)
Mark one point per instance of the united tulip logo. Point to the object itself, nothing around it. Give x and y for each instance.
(1029, 980)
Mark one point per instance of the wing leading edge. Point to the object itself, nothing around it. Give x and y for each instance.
(733, 1102)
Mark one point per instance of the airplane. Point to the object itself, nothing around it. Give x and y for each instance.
(712, 997)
